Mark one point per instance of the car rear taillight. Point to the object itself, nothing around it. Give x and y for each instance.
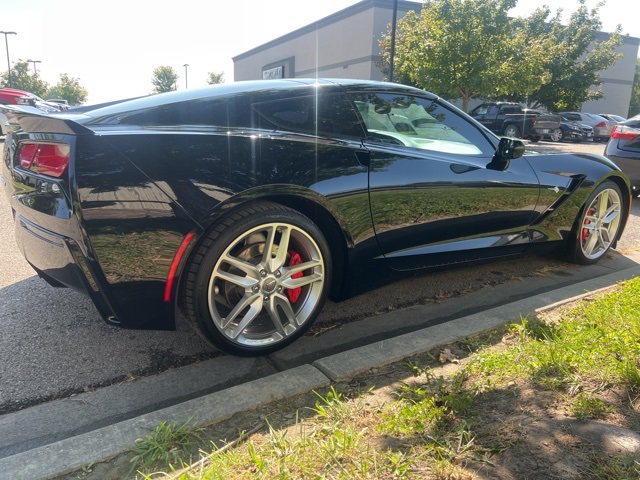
(50, 159)
(622, 132)
(602, 125)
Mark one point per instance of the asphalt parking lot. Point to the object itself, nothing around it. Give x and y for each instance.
(54, 345)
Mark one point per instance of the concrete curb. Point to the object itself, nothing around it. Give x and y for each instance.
(105, 443)
(100, 445)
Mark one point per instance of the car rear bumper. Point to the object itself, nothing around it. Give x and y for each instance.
(48, 253)
(56, 257)
(601, 132)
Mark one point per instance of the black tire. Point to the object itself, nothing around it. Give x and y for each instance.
(271, 300)
(512, 131)
(563, 137)
(599, 224)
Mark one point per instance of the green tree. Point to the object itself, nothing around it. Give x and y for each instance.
(574, 70)
(164, 79)
(214, 78)
(526, 67)
(454, 48)
(68, 88)
(21, 79)
(634, 106)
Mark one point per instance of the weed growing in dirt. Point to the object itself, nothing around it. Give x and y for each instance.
(166, 445)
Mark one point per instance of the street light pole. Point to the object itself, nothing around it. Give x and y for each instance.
(6, 42)
(186, 82)
(35, 71)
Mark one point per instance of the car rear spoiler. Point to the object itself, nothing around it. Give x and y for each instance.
(32, 120)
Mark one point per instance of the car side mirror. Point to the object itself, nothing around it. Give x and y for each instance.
(508, 149)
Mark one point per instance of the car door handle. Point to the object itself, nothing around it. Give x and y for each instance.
(364, 157)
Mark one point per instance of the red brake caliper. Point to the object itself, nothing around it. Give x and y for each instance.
(585, 231)
(294, 293)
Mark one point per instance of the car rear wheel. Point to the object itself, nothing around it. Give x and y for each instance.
(258, 280)
(556, 136)
(599, 224)
(512, 131)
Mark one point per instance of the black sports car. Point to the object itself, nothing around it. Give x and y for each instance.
(247, 204)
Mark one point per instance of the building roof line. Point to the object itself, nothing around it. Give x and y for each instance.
(403, 5)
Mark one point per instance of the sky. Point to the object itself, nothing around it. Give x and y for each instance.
(113, 46)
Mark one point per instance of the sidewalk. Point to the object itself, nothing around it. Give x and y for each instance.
(60, 456)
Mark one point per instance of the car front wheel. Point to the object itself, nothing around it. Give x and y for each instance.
(258, 280)
(599, 224)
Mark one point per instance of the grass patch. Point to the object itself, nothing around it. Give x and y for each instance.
(595, 343)
(502, 410)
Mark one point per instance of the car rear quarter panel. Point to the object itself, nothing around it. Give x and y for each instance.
(140, 193)
(133, 229)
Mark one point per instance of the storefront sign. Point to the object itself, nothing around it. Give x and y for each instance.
(275, 72)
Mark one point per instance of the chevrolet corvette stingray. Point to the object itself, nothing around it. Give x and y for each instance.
(246, 205)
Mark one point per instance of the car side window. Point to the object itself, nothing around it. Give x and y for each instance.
(493, 110)
(334, 115)
(417, 122)
(573, 117)
(508, 109)
(481, 110)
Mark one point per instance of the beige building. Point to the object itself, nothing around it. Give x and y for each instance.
(345, 45)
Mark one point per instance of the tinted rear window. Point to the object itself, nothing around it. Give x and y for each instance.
(334, 116)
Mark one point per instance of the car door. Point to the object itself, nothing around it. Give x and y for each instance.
(434, 197)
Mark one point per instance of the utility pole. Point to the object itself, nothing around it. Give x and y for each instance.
(6, 42)
(35, 71)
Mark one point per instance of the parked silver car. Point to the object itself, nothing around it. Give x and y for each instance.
(612, 117)
(601, 126)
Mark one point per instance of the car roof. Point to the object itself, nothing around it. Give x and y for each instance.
(230, 89)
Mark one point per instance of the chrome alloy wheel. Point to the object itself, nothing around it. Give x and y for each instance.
(600, 224)
(266, 285)
(556, 136)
